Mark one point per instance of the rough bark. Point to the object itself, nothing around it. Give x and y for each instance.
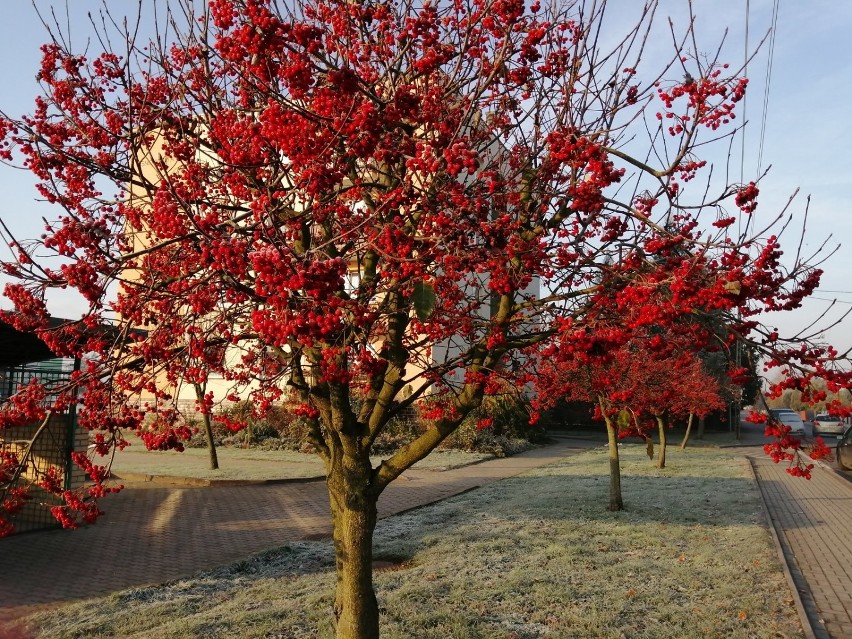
(615, 500)
(354, 513)
(661, 425)
(208, 430)
(700, 433)
(688, 429)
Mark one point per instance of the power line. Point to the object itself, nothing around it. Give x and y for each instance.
(745, 116)
(767, 84)
(830, 299)
(745, 96)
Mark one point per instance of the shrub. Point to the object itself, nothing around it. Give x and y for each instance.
(508, 431)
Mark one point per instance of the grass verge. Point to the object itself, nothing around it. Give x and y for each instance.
(253, 464)
(535, 556)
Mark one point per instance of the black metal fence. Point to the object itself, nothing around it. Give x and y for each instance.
(46, 444)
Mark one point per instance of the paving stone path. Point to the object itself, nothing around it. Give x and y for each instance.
(814, 524)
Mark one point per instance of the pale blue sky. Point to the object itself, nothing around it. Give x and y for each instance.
(808, 137)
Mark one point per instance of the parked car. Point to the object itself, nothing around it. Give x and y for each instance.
(791, 419)
(776, 412)
(825, 424)
(844, 451)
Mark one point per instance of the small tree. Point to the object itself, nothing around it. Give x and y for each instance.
(635, 380)
(604, 382)
(673, 385)
(207, 420)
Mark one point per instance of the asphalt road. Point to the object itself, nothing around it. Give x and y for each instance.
(753, 432)
(831, 442)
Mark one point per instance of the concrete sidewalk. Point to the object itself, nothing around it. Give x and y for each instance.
(154, 534)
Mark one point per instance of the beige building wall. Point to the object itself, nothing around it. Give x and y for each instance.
(438, 353)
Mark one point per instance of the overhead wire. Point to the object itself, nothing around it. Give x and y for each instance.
(767, 83)
(734, 409)
(745, 96)
(829, 299)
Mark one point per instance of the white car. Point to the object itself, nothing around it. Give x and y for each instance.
(825, 424)
(791, 419)
(777, 412)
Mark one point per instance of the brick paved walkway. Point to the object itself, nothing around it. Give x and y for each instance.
(157, 534)
(814, 524)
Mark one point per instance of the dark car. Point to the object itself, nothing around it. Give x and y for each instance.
(844, 451)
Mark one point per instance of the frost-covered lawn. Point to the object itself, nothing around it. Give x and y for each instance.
(252, 464)
(534, 556)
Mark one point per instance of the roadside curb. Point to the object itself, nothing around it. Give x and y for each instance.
(740, 446)
(197, 482)
(835, 472)
(783, 555)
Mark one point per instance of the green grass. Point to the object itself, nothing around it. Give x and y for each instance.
(253, 464)
(535, 556)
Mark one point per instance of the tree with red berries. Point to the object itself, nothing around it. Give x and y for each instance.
(672, 385)
(648, 384)
(392, 201)
(603, 381)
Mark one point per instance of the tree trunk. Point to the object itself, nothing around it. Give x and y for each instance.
(661, 425)
(615, 501)
(211, 443)
(737, 427)
(208, 430)
(354, 513)
(688, 429)
(700, 433)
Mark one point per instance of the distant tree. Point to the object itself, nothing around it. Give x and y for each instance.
(605, 383)
(633, 383)
(717, 364)
(818, 396)
(674, 385)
